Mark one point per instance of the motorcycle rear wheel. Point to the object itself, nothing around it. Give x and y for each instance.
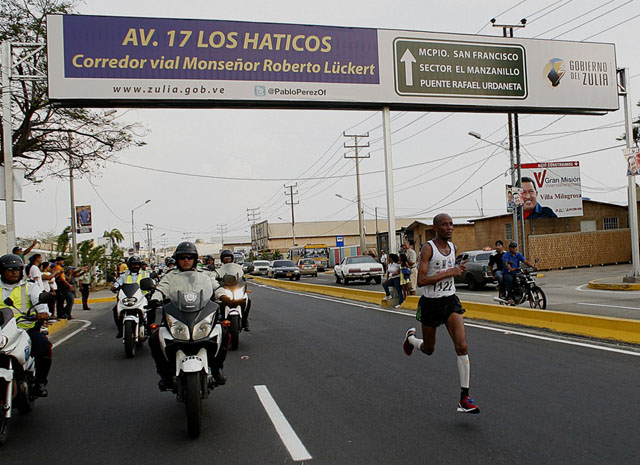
(193, 403)
(129, 339)
(235, 332)
(537, 298)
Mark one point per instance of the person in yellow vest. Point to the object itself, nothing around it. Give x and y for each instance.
(134, 274)
(22, 296)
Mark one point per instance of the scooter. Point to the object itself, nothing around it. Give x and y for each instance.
(233, 308)
(525, 289)
(17, 367)
(192, 335)
(131, 310)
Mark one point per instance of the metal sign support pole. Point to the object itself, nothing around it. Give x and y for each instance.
(388, 171)
(634, 274)
(7, 140)
(72, 198)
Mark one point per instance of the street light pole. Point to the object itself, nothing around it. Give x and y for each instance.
(133, 240)
(72, 197)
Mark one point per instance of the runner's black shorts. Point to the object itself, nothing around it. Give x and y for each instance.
(436, 311)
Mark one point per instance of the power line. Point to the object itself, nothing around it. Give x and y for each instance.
(593, 19)
(611, 27)
(573, 19)
(500, 14)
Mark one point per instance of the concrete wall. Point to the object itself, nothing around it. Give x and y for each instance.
(580, 249)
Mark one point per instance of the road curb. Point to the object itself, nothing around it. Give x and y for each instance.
(57, 326)
(618, 329)
(97, 300)
(614, 286)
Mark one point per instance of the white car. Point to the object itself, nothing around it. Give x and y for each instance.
(260, 267)
(361, 267)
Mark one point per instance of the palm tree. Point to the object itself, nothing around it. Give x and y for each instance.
(63, 240)
(115, 237)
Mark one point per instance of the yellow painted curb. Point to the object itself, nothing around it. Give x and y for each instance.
(57, 326)
(619, 329)
(98, 300)
(614, 286)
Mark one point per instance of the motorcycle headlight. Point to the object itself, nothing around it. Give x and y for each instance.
(129, 301)
(228, 292)
(238, 294)
(178, 329)
(203, 328)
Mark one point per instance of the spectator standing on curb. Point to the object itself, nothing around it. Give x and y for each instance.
(64, 292)
(383, 259)
(412, 258)
(48, 281)
(496, 265)
(405, 275)
(21, 253)
(393, 278)
(86, 285)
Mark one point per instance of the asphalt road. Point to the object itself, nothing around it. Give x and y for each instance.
(566, 290)
(339, 376)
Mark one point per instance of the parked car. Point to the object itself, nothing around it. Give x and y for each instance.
(361, 267)
(478, 273)
(260, 267)
(284, 269)
(308, 266)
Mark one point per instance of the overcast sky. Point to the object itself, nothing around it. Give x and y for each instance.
(286, 143)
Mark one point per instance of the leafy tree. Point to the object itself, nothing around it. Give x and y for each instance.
(63, 240)
(46, 139)
(115, 237)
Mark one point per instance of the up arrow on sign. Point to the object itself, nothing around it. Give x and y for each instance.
(408, 59)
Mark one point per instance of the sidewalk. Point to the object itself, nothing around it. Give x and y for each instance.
(103, 295)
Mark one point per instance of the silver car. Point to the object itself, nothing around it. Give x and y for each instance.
(260, 267)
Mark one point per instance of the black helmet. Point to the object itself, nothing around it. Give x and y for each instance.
(169, 261)
(12, 262)
(210, 257)
(226, 253)
(187, 248)
(134, 260)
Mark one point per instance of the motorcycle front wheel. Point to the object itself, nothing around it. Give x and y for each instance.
(129, 339)
(193, 403)
(24, 401)
(235, 332)
(537, 299)
(4, 429)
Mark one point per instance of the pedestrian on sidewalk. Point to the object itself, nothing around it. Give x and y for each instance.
(439, 304)
(383, 259)
(85, 281)
(393, 278)
(65, 294)
(412, 258)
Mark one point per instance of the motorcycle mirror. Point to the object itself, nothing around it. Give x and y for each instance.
(8, 301)
(46, 297)
(146, 284)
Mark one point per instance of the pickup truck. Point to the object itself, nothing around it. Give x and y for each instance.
(362, 267)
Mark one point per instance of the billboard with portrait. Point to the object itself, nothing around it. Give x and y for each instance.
(551, 190)
(83, 219)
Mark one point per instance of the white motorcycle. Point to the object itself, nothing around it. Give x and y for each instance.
(192, 335)
(233, 308)
(17, 369)
(132, 312)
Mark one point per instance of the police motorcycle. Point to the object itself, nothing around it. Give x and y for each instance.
(233, 307)
(192, 335)
(17, 366)
(525, 289)
(131, 310)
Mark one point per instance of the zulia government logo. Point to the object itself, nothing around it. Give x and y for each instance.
(554, 70)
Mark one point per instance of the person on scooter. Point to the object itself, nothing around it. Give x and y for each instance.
(229, 267)
(187, 277)
(134, 274)
(511, 261)
(21, 296)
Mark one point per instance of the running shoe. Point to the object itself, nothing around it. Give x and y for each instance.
(467, 405)
(406, 345)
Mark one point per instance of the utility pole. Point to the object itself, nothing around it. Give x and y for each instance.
(149, 228)
(292, 203)
(513, 121)
(357, 157)
(72, 198)
(253, 215)
(222, 229)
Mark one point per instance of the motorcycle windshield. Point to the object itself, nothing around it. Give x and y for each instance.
(190, 301)
(129, 289)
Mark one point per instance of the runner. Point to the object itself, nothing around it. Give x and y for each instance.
(440, 305)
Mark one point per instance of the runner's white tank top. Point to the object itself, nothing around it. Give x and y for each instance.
(438, 264)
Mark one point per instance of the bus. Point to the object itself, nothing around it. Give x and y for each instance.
(319, 253)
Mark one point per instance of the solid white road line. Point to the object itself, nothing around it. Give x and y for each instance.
(285, 431)
(516, 333)
(69, 336)
(608, 306)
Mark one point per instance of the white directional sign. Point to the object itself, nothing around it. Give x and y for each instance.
(101, 60)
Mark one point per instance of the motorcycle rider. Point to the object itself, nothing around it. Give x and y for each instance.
(171, 264)
(186, 277)
(134, 274)
(511, 261)
(25, 295)
(210, 262)
(229, 267)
